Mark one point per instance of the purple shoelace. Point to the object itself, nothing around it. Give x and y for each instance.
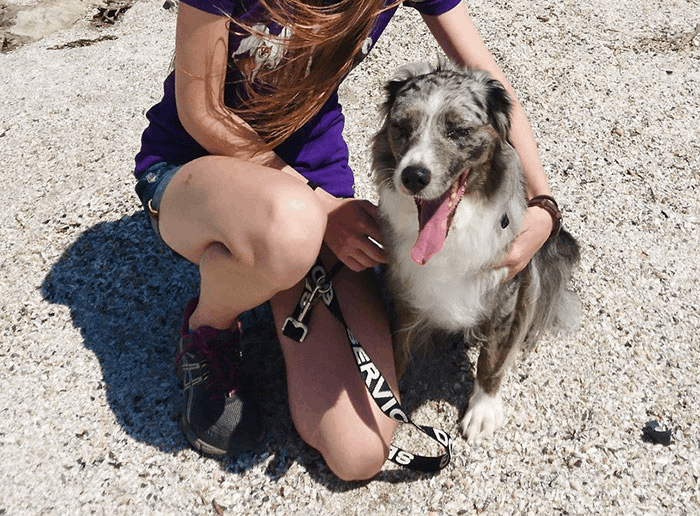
(219, 350)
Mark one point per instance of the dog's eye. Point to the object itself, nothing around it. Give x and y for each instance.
(401, 129)
(458, 133)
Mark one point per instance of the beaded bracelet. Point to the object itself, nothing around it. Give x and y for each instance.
(547, 203)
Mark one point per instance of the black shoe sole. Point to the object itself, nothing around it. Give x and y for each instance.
(198, 444)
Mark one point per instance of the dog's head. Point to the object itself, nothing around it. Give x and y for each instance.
(443, 131)
(440, 123)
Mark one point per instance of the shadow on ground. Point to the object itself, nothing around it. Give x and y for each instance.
(126, 292)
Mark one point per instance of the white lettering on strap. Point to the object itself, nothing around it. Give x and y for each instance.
(360, 355)
(442, 437)
(400, 456)
(377, 392)
(351, 336)
(388, 404)
(372, 373)
(398, 415)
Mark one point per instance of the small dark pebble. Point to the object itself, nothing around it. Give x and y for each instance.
(652, 433)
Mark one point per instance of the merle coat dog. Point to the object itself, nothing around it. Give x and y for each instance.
(452, 200)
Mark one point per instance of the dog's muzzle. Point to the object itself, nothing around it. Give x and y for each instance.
(414, 179)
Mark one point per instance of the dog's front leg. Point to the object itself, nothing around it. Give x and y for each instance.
(485, 409)
(499, 347)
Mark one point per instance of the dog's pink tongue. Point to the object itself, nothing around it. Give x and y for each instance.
(434, 218)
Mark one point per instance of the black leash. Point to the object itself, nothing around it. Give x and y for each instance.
(318, 286)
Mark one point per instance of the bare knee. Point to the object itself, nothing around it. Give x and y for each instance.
(352, 455)
(297, 224)
(358, 464)
(283, 242)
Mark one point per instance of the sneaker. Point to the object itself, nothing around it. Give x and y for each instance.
(217, 420)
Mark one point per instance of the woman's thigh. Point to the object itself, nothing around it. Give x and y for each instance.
(245, 206)
(329, 402)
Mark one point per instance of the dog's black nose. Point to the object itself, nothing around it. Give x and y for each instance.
(415, 178)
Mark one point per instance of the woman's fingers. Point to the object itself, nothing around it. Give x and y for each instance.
(353, 233)
(536, 228)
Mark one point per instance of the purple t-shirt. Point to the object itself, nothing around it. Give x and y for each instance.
(317, 150)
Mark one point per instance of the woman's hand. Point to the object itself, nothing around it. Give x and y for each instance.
(350, 224)
(536, 229)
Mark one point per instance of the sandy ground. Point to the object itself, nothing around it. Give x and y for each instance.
(26, 21)
(91, 303)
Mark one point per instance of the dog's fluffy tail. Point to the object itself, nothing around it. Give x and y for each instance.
(559, 307)
(567, 316)
(566, 304)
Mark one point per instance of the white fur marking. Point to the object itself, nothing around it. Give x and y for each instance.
(450, 289)
(483, 417)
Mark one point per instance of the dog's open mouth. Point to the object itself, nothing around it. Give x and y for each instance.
(434, 219)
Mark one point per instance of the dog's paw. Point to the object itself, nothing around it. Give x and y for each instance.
(484, 415)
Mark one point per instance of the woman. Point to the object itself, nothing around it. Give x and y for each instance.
(244, 172)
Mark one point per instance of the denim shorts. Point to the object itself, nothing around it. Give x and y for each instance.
(151, 186)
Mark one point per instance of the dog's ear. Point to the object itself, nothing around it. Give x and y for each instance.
(499, 105)
(400, 78)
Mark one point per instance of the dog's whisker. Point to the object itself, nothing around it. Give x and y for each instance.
(387, 174)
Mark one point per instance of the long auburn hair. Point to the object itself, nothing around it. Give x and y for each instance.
(326, 37)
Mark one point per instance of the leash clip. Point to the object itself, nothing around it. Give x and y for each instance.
(295, 326)
(295, 330)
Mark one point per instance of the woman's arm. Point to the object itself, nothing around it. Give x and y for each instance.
(201, 54)
(460, 40)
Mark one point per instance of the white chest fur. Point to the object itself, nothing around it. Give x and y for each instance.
(453, 290)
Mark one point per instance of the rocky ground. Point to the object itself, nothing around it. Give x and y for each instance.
(90, 303)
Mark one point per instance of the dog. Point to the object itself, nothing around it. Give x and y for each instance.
(451, 201)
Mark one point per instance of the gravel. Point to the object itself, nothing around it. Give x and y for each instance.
(91, 302)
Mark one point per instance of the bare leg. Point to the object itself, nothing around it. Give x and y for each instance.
(329, 402)
(255, 232)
